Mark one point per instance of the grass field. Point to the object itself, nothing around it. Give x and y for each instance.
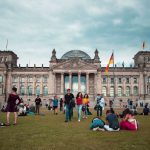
(50, 132)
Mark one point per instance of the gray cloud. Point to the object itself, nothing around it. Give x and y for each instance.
(35, 27)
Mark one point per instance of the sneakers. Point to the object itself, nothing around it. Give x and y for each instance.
(78, 120)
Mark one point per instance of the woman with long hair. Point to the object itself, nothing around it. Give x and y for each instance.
(85, 105)
(12, 105)
(79, 105)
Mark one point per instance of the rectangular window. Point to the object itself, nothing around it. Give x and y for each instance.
(119, 80)
(38, 79)
(45, 79)
(30, 79)
(112, 80)
(14, 79)
(104, 80)
(135, 80)
(1, 90)
(127, 80)
(22, 79)
(1, 79)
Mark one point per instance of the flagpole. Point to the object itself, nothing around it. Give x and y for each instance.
(114, 74)
(6, 44)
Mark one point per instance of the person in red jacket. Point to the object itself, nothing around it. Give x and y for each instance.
(79, 105)
(12, 105)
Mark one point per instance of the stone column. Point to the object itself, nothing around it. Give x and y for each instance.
(108, 86)
(124, 86)
(132, 86)
(87, 83)
(79, 82)
(95, 84)
(41, 85)
(115, 84)
(98, 83)
(54, 82)
(62, 83)
(145, 84)
(141, 84)
(18, 86)
(26, 85)
(50, 84)
(34, 85)
(70, 81)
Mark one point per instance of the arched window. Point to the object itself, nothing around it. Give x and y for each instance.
(30, 90)
(112, 91)
(1, 78)
(104, 91)
(22, 90)
(38, 90)
(127, 91)
(135, 90)
(120, 91)
(45, 90)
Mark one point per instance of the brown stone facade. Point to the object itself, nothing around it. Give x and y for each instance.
(77, 71)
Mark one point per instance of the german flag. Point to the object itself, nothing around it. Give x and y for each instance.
(111, 61)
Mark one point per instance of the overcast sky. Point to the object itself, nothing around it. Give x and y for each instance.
(34, 27)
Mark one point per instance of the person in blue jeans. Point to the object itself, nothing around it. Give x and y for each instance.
(79, 105)
(69, 103)
(100, 103)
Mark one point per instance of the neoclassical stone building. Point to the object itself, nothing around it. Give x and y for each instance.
(79, 72)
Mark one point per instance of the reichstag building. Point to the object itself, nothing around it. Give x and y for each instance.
(79, 72)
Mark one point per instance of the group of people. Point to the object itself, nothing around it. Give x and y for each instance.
(128, 122)
(82, 102)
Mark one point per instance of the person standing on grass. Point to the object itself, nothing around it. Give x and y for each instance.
(69, 100)
(12, 105)
(37, 103)
(55, 105)
(79, 105)
(100, 103)
(61, 104)
(85, 105)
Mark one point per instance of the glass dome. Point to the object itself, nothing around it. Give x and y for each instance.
(76, 53)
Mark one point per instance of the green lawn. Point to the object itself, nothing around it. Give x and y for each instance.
(50, 132)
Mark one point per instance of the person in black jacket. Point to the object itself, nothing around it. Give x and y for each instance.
(146, 110)
(69, 104)
(37, 103)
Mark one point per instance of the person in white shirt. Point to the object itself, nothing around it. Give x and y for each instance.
(100, 104)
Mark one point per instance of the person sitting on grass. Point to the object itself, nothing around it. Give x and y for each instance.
(112, 121)
(146, 110)
(128, 122)
(97, 124)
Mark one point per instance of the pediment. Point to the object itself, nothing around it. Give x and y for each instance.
(75, 65)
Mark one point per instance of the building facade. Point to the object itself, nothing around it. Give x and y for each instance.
(79, 72)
